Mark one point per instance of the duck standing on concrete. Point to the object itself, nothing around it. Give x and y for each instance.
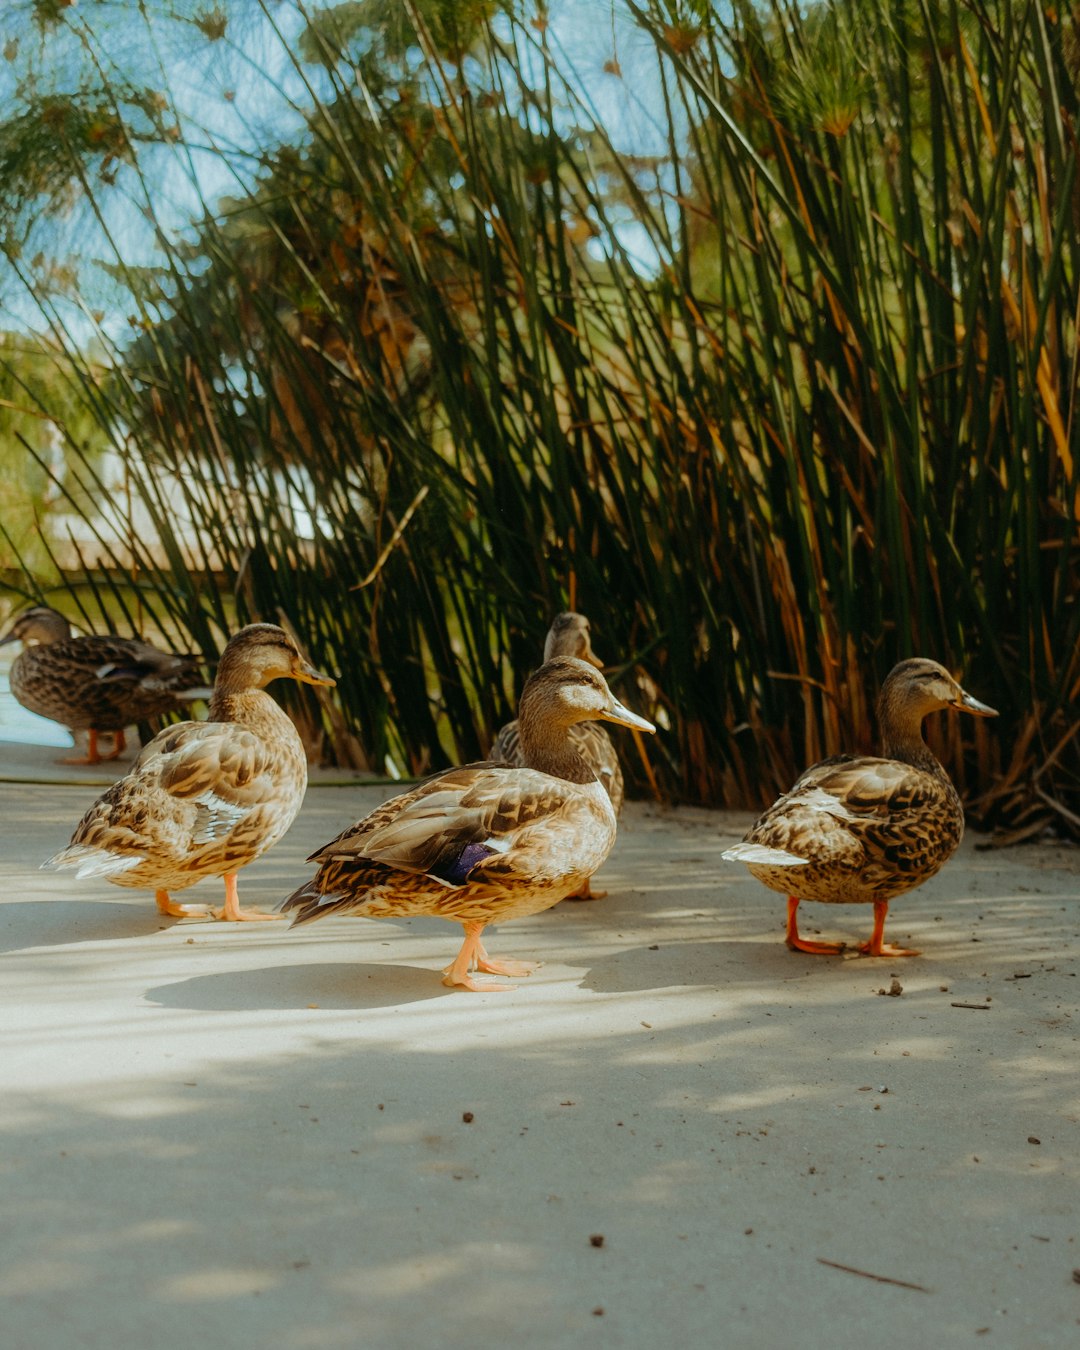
(487, 842)
(856, 829)
(204, 799)
(98, 683)
(569, 636)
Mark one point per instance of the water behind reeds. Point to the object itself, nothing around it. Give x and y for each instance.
(25, 728)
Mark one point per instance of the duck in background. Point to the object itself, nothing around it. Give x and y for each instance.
(98, 683)
(569, 636)
(487, 842)
(859, 829)
(204, 799)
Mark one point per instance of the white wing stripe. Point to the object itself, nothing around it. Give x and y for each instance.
(758, 853)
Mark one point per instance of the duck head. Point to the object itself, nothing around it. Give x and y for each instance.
(262, 652)
(566, 690)
(38, 625)
(569, 636)
(919, 686)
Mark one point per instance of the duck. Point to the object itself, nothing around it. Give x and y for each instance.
(483, 843)
(569, 635)
(204, 799)
(98, 683)
(859, 829)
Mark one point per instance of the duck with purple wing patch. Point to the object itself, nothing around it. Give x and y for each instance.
(862, 829)
(487, 842)
(569, 635)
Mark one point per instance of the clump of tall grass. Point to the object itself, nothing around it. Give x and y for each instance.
(785, 398)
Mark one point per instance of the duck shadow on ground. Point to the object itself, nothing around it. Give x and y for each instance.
(352, 986)
(61, 923)
(716, 963)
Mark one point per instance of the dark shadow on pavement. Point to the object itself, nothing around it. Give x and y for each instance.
(357, 985)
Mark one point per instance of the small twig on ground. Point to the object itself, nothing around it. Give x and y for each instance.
(869, 1275)
(975, 1007)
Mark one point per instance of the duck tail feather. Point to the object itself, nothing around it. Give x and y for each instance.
(92, 862)
(760, 853)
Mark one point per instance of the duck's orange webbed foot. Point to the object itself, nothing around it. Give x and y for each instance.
(239, 915)
(174, 910)
(472, 956)
(816, 948)
(453, 981)
(231, 912)
(91, 756)
(797, 944)
(886, 949)
(876, 946)
(587, 893)
(490, 966)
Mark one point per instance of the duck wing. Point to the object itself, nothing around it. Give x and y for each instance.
(136, 667)
(849, 811)
(473, 824)
(192, 785)
(104, 682)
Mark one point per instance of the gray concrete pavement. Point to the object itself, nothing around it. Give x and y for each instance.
(240, 1137)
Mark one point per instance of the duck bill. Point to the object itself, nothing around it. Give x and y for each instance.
(623, 717)
(973, 706)
(309, 675)
(8, 637)
(587, 654)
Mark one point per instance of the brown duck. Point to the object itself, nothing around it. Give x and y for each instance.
(204, 799)
(98, 683)
(863, 830)
(487, 842)
(569, 636)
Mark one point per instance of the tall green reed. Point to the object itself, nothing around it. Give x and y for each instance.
(415, 393)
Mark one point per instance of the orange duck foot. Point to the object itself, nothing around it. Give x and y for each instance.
(587, 893)
(490, 966)
(473, 956)
(797, 944)
(885, 949)
(174, 910)
(877, 946)
(92, 756)
(231, 912)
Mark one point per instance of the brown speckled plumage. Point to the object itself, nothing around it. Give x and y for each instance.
(569, 636)
(486, 842)
(861, 829)
(95, 683)
(204, 799)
